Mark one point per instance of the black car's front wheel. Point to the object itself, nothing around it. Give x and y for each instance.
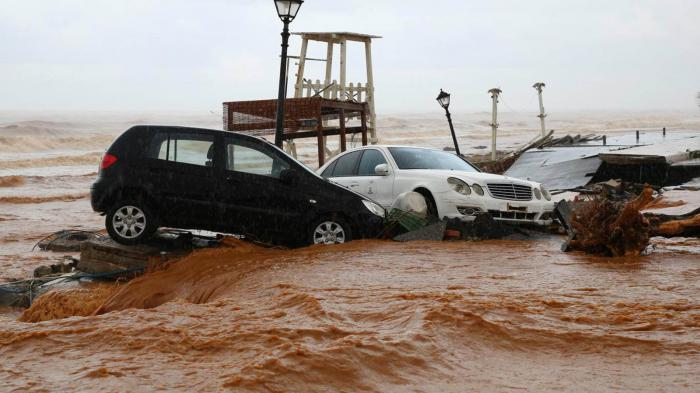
(130, 222)
(330, 230)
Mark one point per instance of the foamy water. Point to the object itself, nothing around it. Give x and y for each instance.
(367, 316)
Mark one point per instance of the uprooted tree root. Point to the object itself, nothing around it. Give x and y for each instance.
(610, 228)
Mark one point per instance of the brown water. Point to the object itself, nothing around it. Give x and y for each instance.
(374, 316)
(499, 316)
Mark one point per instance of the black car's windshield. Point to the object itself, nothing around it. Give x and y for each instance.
(414, 158)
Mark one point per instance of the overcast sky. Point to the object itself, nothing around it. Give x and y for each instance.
(194, 54)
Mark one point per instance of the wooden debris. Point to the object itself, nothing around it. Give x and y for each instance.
(610, 228)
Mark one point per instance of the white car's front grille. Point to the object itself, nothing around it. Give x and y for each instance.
(509, 191)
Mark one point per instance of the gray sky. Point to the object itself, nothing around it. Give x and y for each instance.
(194, 54)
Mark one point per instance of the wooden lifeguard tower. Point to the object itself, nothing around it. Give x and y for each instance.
(332, 88)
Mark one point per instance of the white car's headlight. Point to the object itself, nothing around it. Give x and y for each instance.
(478, 189)
(537, 193)
(459, 186)
(374, 208)
(545, 193)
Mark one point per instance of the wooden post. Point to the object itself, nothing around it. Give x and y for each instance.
(334, 94)
(664, 131)
(298, 88)
(343, 67)
(363, 116)
(370, 90)
(329, 69)
(321, 148)
(342, 131)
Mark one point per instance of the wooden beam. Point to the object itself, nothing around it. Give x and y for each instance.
(343, 145)
(364, 125)
(321, 147)
(329, 70)
(326, 132)
(343, 67)
(298, 88)
(351, 106)
(370, 89)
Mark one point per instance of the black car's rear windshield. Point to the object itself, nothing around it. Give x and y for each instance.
(414, 158)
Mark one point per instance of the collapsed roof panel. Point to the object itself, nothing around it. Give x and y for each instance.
(562, 168)
(567, 166)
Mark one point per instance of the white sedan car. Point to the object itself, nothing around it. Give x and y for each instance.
(452, 187)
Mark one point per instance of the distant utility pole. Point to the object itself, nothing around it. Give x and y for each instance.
(494, 121)
(538, 86)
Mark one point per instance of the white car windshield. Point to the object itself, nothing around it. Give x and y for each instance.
(413, 158)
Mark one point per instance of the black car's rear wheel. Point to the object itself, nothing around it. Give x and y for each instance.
(330, 230)
(130, 222)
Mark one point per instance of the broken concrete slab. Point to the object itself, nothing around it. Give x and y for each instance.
(107, 256)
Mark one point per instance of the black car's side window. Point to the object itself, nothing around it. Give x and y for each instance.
(244, 156)
(347, 164)
(194, 149)
(370, 159)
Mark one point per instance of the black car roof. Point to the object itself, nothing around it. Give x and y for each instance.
(156, 128)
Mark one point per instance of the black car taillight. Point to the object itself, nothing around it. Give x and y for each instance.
(107, 161)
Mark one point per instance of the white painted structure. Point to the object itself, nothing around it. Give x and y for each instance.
(538, 86)
(332, 88)
(494, 120)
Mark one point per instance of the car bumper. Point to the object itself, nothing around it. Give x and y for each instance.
(539, 212)
(99, 194)
(370, 226)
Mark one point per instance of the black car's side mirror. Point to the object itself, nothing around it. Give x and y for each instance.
(289, 177)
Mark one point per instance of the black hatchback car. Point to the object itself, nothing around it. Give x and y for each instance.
(155, 176)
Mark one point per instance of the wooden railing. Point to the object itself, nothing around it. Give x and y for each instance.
(357, 93)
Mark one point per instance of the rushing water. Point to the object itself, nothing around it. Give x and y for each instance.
(366, 316)
(374, 316)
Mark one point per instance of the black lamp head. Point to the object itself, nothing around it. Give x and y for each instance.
(443, 99)
(287, 9)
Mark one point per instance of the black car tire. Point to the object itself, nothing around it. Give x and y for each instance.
(130, 222)
(329, 229)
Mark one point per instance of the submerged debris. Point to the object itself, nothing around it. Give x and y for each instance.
(66, 240)
(100, 259)
(66, 266)
(434, 231)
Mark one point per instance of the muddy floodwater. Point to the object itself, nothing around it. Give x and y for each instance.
(375, 316)
(493, 316)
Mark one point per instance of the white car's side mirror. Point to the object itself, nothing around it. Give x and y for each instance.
(381, 169)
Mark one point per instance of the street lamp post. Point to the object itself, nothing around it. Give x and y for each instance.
(444, 100)
(287, 11)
